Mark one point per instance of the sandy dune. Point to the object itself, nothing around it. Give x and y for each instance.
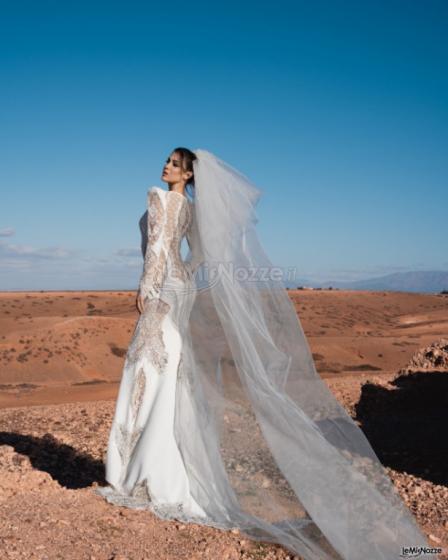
(61, 357)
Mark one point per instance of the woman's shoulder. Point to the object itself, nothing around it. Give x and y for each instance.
(154, 192)
(155, 188)
(164, 192)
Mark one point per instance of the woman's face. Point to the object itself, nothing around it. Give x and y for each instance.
(172, 170)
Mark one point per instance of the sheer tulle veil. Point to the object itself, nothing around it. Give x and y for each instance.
(267, 447)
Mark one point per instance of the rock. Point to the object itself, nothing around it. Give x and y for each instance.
(434, 539)
(434, 357)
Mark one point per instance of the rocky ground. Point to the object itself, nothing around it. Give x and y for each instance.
(51, 458)
(61, 356)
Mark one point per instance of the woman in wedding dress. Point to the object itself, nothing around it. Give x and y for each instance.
(221, 417)
(144, 465)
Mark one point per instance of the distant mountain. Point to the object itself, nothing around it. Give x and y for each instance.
(416, 281)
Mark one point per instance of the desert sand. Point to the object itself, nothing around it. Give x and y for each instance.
(384, 355)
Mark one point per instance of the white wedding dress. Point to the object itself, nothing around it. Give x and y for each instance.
(222, 418)
(144, 467)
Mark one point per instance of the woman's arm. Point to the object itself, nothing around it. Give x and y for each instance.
(155, 261)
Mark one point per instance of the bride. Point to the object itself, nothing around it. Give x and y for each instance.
(221, 417)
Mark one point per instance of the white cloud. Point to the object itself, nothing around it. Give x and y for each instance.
(32, 253)
(128, 253)
(24, 267)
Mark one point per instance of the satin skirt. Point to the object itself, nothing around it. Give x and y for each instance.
(144, 467)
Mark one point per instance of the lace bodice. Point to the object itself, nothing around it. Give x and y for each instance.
(168, 219)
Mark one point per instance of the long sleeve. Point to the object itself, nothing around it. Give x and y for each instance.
(155, 261)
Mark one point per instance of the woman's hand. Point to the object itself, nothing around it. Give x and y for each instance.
(140, 302)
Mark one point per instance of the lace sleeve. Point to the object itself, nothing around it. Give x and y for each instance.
(154, 267)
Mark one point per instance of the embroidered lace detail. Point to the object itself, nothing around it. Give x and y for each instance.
(169, 218)
(140, 499)
(137, 393)
(155, 216)
(172, 212)
(126, 439)
(154, 273)
(168, 221)
(155, 260)
(176, 225)
(141, 491)
(148, 336)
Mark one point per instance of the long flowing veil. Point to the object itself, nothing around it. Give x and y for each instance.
(266, 445)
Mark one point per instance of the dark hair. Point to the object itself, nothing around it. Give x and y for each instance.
(186, 162)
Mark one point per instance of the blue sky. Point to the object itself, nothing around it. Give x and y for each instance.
(336, 110)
